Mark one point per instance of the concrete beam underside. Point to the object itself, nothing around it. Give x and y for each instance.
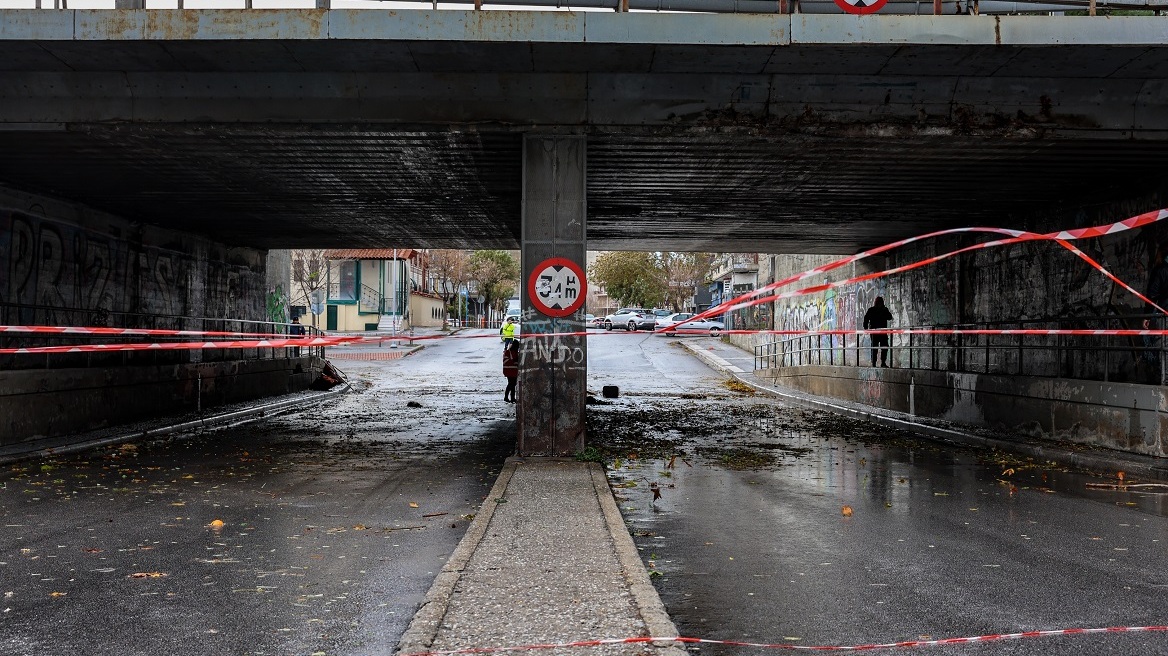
(553, 368)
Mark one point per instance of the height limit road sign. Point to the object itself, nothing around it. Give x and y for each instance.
(557, 287)
(861, 6)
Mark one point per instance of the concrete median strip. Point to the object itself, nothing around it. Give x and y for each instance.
(424, 626)
(464, 604)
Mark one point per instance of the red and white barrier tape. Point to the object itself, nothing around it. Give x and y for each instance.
(1016, 236)
(132, 332)
(993, 637)
(179, 346)
(755, 297)
(349, 340)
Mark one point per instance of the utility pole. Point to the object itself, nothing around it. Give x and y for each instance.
(393, 301)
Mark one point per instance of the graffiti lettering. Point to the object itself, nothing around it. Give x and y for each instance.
(47, 267)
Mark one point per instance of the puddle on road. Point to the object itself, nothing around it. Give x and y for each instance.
(728, 431)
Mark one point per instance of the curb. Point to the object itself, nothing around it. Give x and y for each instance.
(419, 635)
(423, 628)
(1092, 461)
(645, 597)
(228, 419)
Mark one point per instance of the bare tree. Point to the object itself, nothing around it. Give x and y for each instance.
(683, 272)
(309, 275)
(451, 271)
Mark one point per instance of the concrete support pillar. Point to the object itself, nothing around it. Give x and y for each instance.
(553, 370)
(129, 4)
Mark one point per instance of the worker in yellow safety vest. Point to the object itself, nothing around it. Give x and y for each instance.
(507, 332)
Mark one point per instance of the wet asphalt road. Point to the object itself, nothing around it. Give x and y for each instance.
(750, 540)
(315, 532)
(321, 549)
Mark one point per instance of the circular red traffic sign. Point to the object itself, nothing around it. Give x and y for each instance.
(557, 287)
(861, 6)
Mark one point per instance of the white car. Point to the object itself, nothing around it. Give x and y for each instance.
(630, 319)
(669, 325)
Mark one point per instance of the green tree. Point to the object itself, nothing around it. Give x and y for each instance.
(497, 275)
(631, 278)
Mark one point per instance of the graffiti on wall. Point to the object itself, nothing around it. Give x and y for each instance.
(53, 266)
(558, 352)
(841, 308)
(52, 270)
(277, 304)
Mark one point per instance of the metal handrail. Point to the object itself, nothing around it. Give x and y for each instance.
(371, 300)
(1109, 358)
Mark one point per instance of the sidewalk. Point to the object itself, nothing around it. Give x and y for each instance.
(233, 414)
(548, 559)
(384, 345)
(739, 364)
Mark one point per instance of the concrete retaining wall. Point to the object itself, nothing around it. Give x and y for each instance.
(1124, 416)
(49, 403)
(64, 262)
(1023, 282)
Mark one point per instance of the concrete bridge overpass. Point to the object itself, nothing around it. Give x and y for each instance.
(217, 134)
(282, 128)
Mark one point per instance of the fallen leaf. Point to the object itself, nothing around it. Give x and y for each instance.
(147, 575)
(360, 527)
(1119, 475)
(846, 511)
(58, 594)
(413, 505)
(216, 524)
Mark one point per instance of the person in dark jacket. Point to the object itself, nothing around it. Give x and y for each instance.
(877, 318)
(296, 330)
(511, 369)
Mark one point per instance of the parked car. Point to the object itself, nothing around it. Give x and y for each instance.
(631, 319)
(669, 325)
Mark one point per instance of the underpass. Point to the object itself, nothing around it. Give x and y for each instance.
(153, 156)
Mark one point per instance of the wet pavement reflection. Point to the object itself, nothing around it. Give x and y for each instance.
(778, 524)
(316, 532)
